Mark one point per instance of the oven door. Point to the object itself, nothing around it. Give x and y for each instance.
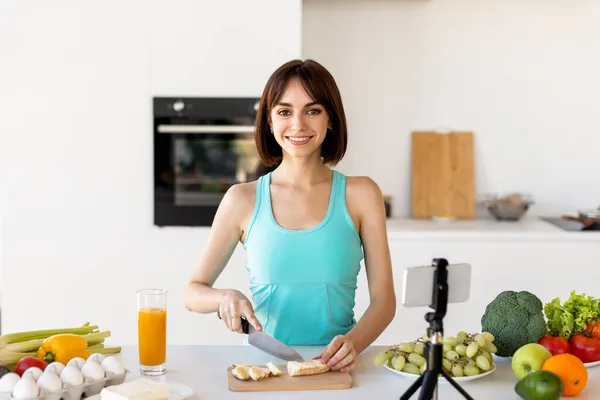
(199, 164)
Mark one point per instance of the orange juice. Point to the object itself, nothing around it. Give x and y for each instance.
(152, 336)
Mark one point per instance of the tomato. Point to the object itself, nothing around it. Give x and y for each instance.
(593, 329)
(555, 344)
(587, 349)
(27, 362)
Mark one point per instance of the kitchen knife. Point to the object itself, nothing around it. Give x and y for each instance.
(269, 344)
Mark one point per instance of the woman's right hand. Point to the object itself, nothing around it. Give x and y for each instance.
(233, 307)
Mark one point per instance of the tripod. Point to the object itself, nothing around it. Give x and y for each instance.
(428, 380)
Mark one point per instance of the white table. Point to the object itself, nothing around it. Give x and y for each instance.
(203, 368)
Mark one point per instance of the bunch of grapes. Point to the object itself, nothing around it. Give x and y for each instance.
(464, 355)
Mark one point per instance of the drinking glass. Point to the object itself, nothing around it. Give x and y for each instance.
(152, 331)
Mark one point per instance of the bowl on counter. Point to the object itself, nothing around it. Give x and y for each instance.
(510, 207)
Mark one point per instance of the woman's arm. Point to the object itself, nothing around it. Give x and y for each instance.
(366, 198)
(226, 231)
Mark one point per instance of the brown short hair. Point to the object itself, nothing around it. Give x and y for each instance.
(320, 85)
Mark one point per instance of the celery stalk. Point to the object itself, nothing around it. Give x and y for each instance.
(19, 337)
(107, 350)
(35, 344)
(9, 358)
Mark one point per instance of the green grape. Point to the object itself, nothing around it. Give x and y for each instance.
(411, 369)
(471, 371)
(452, 355)
(491, 347)
(488, 337)
(462, 335)
(382, 357)
(447, 347)
(423, 368)
(446, 364)
(467, 361)
(416, 359)
(451, 340)
(457, 370)
(419, 348)
(406, 347)
(399, 362)
(472, 349)
(461, 349)
(487, 355)
(483, 363)
(480, 340)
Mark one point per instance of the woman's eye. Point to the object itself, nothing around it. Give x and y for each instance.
(314, 111)
(283, 112)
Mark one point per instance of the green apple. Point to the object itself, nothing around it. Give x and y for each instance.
(529, 358)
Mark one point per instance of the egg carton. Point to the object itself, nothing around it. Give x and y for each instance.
(87, 389)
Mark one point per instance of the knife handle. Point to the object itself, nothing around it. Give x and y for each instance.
(245, 325)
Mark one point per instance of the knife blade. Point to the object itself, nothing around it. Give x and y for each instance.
(267, 343)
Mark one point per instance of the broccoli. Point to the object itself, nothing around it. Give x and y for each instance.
(515, 319)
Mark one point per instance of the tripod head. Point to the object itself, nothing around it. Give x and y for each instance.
(439, 301)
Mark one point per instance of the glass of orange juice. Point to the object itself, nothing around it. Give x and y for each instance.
(152, 331)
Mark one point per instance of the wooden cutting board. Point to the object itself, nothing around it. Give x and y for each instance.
(443, 176)
(326, 381)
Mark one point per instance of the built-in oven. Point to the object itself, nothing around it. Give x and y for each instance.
(202, 146)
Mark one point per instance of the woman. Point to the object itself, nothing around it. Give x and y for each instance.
(304, 227)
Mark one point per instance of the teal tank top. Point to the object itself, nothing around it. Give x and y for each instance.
(303, 282)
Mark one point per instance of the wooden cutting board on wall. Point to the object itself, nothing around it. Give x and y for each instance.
(443, 177)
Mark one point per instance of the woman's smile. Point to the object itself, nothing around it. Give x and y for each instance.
(299, 140)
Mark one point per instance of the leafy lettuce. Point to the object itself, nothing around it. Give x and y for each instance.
(573, 316)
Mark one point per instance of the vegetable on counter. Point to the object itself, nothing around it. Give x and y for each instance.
(27, 362)
(578, 314)
(555, 344)
(63, 348)
(587, 349)
(515, 319)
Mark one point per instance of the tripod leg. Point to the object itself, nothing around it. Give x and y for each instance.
(412, 389)
(429, 384)
(456, 385)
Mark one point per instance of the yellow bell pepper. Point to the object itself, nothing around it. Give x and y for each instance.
(63, 348)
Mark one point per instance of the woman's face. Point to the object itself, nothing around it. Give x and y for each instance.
(298, 123)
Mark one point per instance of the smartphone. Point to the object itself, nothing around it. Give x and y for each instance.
(417, 285)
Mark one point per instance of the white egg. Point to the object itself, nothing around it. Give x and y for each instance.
(113, 366)
(55, 366)
(93, 370)
(35, 372)
(8, 382)
(72, 376)
(77, 362)
(26, 388)
(97, 357)
(50, 381)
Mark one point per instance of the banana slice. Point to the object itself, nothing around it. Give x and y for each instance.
(240, 373)
(274, 370)
(257, 373)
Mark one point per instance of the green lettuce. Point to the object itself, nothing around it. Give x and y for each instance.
(573, 316)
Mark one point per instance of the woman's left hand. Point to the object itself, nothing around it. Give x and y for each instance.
(339, 354)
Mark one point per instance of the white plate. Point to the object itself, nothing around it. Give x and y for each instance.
(177, 391)
(592, 364)
(442, 380)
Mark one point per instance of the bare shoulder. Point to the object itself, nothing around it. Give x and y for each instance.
(240, 197)
(363, 189)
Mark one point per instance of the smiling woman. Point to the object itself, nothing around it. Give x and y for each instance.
(305, 227)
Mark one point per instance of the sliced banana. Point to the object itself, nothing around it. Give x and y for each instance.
(240, 373)
(274, 370)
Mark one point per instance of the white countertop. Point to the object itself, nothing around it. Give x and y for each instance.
(531, 228)
(204, 369)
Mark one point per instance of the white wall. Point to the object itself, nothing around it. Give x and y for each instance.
(76, 152)
(523, 75)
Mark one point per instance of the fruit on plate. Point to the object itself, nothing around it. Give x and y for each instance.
(555, 344)
(587, 349)
(571, 370)
(540, 385)
(529, 358)
(515, 319)
(463, 355)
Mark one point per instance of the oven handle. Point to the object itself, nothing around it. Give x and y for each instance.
(205, 129)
